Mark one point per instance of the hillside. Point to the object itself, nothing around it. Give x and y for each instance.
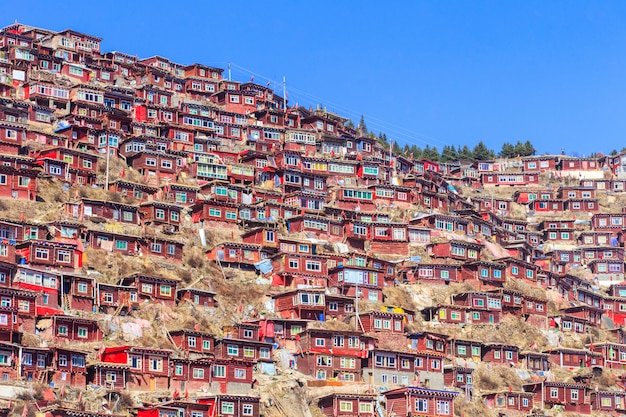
(180, 243)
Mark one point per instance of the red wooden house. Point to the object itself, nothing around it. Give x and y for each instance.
(347, 405)
(511, 179)
(435, 272)
(456, 249)
(382, 322)
(140, 192)
(166, 247)
(149, 367)
(81, 167)
(539, 163)
(408, 401)
(152, 288)
(68, 367)
(110, 210)
(115, 298)
(570, 396)
(68, 329)
(333, 354)
(194, 342)
(369, 281)
(113, 242)
(309, 304)
(50, 253)
(78, 292)
(510, 400)
(614, 354)
(388, 367)
(608, 402)
(501, 353)
(41, 281)
(168, 216)
(484, 272)
(574, 358)
(196, 296)
(18, 177)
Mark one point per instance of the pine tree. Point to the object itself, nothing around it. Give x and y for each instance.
(465, 154)
(362, 125)
(481, 152)
(508, 151)
(449, 154)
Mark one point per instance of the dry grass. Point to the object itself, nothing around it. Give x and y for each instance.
(399, 297)
(476, 407)
(512, 330)
(488, 377)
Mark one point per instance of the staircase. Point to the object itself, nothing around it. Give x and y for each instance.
(67, 303)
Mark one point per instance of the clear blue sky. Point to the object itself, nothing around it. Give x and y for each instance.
(423, 72)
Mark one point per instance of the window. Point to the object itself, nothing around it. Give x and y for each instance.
(41, 253)
(246, 410)
(228, 407)
(156, 364)
(554, 393)
(421, 405)
(206, 345)
(83, 333)
(62, 331)
(219, 371)
(78, 361)
(345, 406)
(443, 407)
(232, 350)
(198, 373)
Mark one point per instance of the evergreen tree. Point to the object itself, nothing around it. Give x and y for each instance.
(362, 125)
(449, 154)
(529, 149)
(350, 124)
(508, 151)
(465, 154)
(614, 152)
(481, 152)
(416, 152)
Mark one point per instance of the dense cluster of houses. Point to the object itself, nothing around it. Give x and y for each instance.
(321, 212)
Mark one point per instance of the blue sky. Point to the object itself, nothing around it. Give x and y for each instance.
(423, 72)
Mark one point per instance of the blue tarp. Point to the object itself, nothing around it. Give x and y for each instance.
(265, 266)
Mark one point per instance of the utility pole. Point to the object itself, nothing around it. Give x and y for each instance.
(106, 181)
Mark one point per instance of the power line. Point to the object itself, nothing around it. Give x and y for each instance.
(397, 131)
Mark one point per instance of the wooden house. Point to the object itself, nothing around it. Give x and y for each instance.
(369, 282)
(510, 179)
(309, 304)
(382, 322)
(456, 250)
(194, 342)
(196, 296)
(457, 376)
(571, 396)
(510, 400)
(574, 358)
(500, 353)
(152, 288)
(484, 272)
(149, 368)
(168, 216)
(407, 401)
(347, 405)
(387, 367)
(608, 402)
